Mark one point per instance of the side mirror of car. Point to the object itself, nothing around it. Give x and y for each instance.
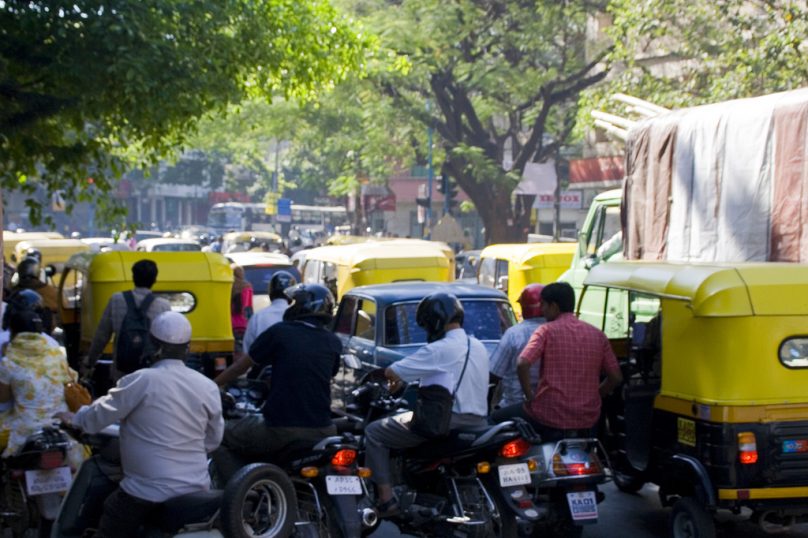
(351, 361)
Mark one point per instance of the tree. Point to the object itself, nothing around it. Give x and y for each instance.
(679, 53)
(498, 80)
(89, 87)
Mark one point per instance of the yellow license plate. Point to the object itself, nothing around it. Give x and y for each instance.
(687, 431)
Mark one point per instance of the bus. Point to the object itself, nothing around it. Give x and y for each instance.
(239, 216)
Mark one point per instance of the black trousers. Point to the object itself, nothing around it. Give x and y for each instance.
(123, 515)
(547, 433)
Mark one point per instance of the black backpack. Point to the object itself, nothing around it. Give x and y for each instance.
(133, 347)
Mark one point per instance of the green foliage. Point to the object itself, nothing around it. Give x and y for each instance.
(89, 88)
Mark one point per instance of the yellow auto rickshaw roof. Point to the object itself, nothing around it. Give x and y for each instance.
(22, 236)
(383, 255)
(714, 290)
(116, 266)
(531, 254)
(43, 244)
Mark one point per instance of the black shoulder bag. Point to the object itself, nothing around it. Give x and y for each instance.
(433, 408)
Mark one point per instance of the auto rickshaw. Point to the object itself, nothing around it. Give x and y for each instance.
(55, 252)
(714, 408)
(10, 240)
(197, 284)
(343, 267)
(509, 267)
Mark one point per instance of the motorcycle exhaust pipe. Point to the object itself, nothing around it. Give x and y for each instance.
(369, 517)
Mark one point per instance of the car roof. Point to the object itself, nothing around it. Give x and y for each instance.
(411, 291)
(259, 258)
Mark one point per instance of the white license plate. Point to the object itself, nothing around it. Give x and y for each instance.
(50, 481)
(514, 475)
(343, 485)
(583, 505)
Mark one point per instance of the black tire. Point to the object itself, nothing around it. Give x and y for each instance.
(559, 523)
(501, 522)
(259, 501)
(689, 519)
(628, 483)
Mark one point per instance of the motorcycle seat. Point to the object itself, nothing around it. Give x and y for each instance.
(457, 441)
(197, 507)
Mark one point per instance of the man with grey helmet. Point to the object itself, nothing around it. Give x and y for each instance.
(171, 418)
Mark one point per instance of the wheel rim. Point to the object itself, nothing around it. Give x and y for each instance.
(683, 527)
(264, 510)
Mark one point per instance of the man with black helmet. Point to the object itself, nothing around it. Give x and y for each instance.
(28, 278)
(304, 356)
(440, 362)
(26, 300)
(269, 316)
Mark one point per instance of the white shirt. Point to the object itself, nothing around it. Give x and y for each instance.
(171, 417)
(263, 320)
(441, 363)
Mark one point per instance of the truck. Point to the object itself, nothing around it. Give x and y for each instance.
(724, 182)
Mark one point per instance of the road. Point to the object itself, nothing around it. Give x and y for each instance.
(640, 516)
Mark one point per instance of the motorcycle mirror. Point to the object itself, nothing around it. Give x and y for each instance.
(351, 361)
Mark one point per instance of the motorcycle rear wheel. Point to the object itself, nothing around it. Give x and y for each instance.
(259, 502)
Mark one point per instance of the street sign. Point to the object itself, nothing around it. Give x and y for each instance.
(569, 200)
(284, 210)
(271, 203)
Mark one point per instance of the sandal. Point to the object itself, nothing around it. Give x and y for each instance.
(388, 508)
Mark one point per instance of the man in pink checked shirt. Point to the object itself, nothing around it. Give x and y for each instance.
(571, 356)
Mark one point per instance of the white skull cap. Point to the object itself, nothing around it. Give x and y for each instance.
(171, 328)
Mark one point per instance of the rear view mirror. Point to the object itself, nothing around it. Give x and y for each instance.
(50, 271)
(351, 361)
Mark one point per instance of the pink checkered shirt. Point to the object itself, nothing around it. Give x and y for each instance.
(571, 355)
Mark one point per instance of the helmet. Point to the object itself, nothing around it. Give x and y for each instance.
(28, 268)
(171, 328)
(25, 312)
(279, 282)
(530, 301)
(35, 253)
(436, 311)
(309, 301)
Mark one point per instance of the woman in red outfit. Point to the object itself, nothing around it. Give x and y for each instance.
(241, 305)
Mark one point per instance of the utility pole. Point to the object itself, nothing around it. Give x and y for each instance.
(430, 176)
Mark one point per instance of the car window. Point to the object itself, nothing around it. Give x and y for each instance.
(366, 320)
(259, 277)
(485, 320)
(177, 247)
(347, 311)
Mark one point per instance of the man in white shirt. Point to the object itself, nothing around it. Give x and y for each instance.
(171, 418)
(441, 362)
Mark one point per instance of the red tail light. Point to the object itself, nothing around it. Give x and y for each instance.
(514, 449)
(343, 458)
(747, 448)
(51, 460)
(592, 466)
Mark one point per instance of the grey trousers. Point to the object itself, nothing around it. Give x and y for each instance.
(250, 439)
(394, 433)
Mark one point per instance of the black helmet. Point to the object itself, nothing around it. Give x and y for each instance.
(25, 312)
(28, 268)
(35, 253)
(279, 282)
(311, 301)
(436, 311)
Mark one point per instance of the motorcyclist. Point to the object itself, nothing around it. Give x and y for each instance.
(440, 362)
(503, 359)
(304, 355)
(28, 277)
(170, 416)
(269, 316)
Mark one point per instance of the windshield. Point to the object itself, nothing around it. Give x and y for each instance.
(259, 276)
(177, 247)
(485, 320)
(225, 218)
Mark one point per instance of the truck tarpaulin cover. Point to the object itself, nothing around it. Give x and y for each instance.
(722, 182)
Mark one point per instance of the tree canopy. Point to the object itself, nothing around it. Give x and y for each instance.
(88, 85)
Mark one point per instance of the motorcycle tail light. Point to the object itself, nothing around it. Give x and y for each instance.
(747, 448)
(51, 460)
(309, 472)
(514, 449)
(592, 466)
(364, 472)
(343, 457)
(483, 467)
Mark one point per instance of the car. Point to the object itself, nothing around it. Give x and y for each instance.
(258, 270)
(168, 244)
(377, 323)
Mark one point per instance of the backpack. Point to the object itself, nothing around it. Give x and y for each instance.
(133, 347)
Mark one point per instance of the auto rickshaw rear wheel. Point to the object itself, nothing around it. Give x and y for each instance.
(689, 519)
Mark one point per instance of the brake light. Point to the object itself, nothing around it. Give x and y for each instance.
(592, 466)
(747, 448)
(514, 449)
(343, 458)
(51, 460)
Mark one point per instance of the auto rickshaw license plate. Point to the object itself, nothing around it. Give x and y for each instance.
(583, 505)
(49, 481)
(343, 485)
(514, 475)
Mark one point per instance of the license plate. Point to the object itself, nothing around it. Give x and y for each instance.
(583, 505)
(514, 475)
(50, 481)
(343, 485)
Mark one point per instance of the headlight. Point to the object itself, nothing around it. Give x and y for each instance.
(794, 352)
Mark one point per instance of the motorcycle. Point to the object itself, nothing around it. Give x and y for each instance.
(328, 496)
(495, 480)
(192, 515)
(33, 482)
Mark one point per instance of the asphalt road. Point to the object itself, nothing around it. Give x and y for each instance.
(641, 516)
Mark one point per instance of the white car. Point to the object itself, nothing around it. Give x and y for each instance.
(168, 244)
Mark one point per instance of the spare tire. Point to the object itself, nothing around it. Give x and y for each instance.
(259, 501)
